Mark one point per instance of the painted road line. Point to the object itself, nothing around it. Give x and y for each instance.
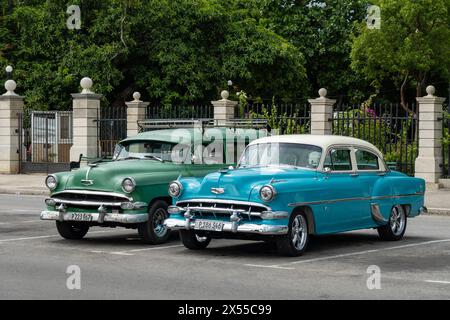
(270, 267)
(130, 252)
(46, 237)
(437, 281)
(338, 256)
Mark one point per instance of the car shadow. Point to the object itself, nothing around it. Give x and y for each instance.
(319, 246)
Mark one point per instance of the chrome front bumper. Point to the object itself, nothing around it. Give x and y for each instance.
(96, 217)
(263, 229)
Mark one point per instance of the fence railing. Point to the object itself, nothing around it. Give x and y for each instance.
(180, 112)
(111, 128)
(446, 144)
(387, 126)
(286, 118)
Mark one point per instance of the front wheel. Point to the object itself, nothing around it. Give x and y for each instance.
(396, 227)
(296, 241)
(72, 230)
(193, 241)
(153, 231)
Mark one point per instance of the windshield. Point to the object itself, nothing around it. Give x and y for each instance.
(154, 150)
(291, 154)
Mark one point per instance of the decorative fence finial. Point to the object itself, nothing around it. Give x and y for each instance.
(10, 86)
(137, 97)
(430, 90)
(323, 93)
(86, 84)
(225, 94)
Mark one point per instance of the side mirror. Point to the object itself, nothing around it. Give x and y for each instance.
(327, 170)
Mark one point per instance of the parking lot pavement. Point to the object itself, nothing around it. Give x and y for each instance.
(115, 264)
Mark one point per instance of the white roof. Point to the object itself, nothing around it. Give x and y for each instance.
(323, 141)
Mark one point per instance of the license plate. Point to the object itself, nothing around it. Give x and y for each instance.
(208, 225)
(81, 217)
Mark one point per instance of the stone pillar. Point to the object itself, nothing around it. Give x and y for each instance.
(428, 163)
(321, 112)
(86, 108)
(136, 111)
(11, 105)
(224, 109)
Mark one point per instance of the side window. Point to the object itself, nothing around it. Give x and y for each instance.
(366, 160)
(338, 160)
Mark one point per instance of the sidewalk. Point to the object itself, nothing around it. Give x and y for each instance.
(23, 184)
(437, 202)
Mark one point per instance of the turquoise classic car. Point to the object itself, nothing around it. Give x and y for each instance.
(131, 190)
(287, 188)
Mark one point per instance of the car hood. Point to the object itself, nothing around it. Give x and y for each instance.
(108, 176)
(239, 184)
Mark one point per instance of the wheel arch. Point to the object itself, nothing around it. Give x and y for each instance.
(167, 200)
(307, 212)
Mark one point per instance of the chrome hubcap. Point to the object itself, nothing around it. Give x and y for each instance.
(397, 220)
(299, 232)
(158, 222)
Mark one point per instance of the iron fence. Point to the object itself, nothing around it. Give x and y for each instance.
(45, 139)
(111, 128)
(387, 126)
(446, 144)
(287, 118)
(180, 112)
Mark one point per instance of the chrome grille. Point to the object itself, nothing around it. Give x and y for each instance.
(90, 198)
(223, 208)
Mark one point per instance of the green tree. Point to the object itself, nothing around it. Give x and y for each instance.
(173, 51)
(411, 48)
(321, 30)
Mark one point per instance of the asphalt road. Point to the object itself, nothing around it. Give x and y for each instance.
(114, 264)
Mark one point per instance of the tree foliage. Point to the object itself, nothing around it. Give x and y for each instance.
(173, 51)
(411, 48)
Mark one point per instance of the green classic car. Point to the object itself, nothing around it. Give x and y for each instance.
(131, 189)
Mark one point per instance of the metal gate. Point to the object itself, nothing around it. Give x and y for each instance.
(111, 128)
(446, 144)
(45, 139)
(387, 126)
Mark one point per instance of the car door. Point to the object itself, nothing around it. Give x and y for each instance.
(344, 197)
(369, 169)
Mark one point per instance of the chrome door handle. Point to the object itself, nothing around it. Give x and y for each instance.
(354, 174)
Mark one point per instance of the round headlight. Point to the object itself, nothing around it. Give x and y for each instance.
(175, 189)
(267, 193)
(51, 182)
(128, 185)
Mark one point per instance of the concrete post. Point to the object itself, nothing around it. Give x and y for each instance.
(428, 162)
(11, 105)
(136, 111)
(86, 108)
(321, 112)
(224, 109)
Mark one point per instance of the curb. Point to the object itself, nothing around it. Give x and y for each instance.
(25, 192)
(438, 212)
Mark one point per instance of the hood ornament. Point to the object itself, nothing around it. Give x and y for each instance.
(87, 181)
(217, 190)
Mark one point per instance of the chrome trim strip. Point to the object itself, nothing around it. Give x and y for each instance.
(88, 203)
(108, 217)
(178, 224)
(354, 199)
(95, 193)
(245, 203)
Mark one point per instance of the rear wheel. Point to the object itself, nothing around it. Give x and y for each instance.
(153, 231)
(193, 241)
(72, 230)
(395, 229)
(296, 241)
